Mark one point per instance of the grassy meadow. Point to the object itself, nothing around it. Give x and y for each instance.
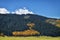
(29, 38)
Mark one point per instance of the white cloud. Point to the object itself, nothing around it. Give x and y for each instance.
(4, 11)
(23, 11)
(19, 11)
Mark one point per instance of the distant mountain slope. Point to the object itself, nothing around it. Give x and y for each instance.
(55, 22)
(12, 22)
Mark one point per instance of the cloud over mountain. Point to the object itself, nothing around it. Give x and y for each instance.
(18, 11)
(4, 11)
(23, 11)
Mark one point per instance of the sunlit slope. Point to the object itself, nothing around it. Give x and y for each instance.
(30, 38)
(55, 22)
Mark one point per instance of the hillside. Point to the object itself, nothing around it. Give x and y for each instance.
(16, 23)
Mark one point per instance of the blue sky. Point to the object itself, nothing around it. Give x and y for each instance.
(48, 8)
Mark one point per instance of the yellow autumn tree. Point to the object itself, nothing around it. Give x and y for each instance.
(58, 23)
(30, 25)
(28, 32)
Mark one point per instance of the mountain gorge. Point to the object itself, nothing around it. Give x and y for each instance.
(11, 24)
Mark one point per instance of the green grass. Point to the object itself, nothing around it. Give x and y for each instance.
(30, 38)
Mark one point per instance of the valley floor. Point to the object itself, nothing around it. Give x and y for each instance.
(30, 38)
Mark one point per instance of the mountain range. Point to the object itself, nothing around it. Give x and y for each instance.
(28, 25)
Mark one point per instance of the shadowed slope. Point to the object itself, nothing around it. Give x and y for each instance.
(11, 22)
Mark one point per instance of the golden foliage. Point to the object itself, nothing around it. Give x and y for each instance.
(30, 25)
(25, 33)
(58, 23)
